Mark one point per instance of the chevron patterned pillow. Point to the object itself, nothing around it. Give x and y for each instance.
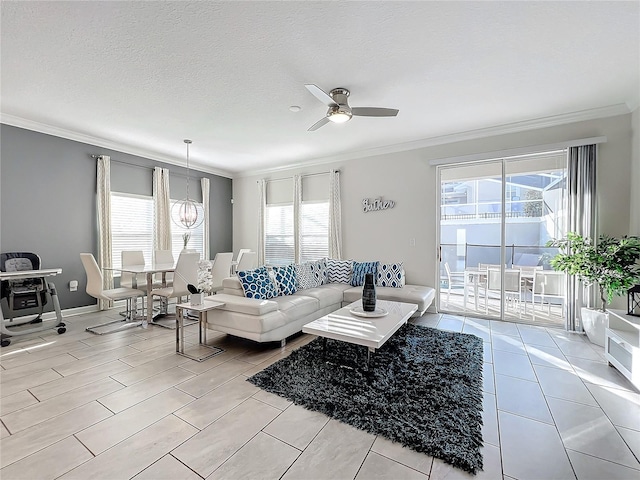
(339, 271)
(391, 275)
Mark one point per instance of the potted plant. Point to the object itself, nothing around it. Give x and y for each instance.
(611, 264)
(205, 283)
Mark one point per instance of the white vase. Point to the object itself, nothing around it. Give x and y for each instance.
(594, 323)
(197, 298)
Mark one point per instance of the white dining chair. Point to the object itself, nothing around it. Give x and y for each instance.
(128, 259)
(95, 289)
(248, 261)
(234, 263)
(241, 252)
(186, 272)
(163, 256)
(220, 269)
(132, 280)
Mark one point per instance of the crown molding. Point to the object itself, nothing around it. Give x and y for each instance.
(552, 121)
(103, 143)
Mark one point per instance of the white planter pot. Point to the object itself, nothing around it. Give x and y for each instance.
(594, 322)
(197, 298)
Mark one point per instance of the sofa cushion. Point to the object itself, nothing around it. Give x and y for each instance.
(257, 284)
(360, 269)
(285, 278)
(296, 306)
(232, 286)
(417, 294)
(390, 275)
(327, 295)
(339, 271)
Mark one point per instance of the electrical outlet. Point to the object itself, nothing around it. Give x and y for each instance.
(73, 285)
(412, 242)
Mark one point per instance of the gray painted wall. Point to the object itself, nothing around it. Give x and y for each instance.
(48, 201)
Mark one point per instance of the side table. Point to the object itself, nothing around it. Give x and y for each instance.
(201, 310)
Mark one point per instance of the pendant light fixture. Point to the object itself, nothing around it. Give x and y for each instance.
(185, 212)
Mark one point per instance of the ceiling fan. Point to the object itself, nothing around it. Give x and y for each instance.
(339, 109)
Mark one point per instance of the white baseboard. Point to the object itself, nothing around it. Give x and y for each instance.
(72, 312)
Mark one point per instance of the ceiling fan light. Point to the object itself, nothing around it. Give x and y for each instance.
(340, 116)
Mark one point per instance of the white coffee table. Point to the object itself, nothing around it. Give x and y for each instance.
(371, 332)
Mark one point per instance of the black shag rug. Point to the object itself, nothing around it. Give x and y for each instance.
(424, 389)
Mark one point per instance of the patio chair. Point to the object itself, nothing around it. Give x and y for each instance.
(512, 287)
(453, 279)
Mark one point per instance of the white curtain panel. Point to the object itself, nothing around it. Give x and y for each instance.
(104, 224)
(162, 208)
(581, 187)
(262, 207)
(204, 182)
(335, 215)
(297, 207)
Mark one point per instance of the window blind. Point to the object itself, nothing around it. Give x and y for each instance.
(279, 241)
(314, 230)
(131, 226)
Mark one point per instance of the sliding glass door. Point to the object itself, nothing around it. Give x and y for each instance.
(495, 219)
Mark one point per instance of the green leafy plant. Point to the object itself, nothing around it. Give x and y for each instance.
(611, 263)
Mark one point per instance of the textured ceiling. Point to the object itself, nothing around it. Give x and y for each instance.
(142, 76)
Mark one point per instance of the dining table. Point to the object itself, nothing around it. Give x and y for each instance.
(472, 278)
(475, 276)
(149, 270)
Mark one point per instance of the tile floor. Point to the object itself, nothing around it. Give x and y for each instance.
(125, 405)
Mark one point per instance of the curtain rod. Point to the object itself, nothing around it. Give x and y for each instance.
(514, 152)
(122, 162)
(307, 175)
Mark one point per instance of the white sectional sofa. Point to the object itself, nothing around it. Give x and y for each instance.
(282, 316)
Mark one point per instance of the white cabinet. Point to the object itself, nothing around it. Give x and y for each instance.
(622, 344)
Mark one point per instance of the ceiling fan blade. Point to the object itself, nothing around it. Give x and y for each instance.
(320, 94)
(318, 124)
(374, 112)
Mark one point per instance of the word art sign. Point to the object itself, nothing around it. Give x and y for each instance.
(376, 204)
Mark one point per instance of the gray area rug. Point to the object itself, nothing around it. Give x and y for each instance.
(423, 390)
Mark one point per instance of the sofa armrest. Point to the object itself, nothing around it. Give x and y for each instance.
(250, 306)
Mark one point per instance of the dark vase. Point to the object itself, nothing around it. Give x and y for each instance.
(369, 293)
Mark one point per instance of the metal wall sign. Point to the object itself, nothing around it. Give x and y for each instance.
(376, 204)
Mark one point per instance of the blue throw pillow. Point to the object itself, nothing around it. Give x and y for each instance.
(285, 279)
(391, 275)
(360, 269)
(257, 284)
